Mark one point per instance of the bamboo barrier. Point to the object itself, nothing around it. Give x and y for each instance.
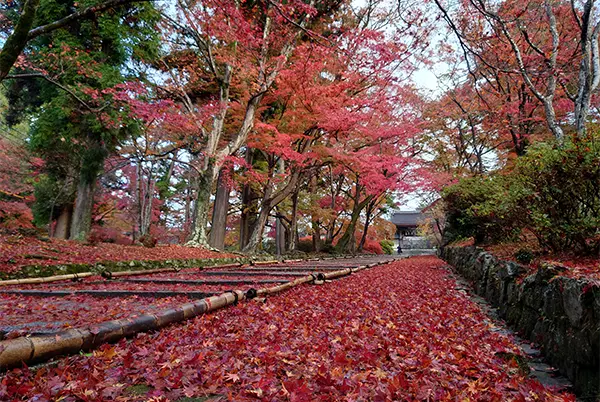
(46, 279)
(109, 274)
(285, 286)
(277, 272)
(204, 281)
(232, 265)
(30, 349)
(155, 294)
(269, 262)
(27, 349)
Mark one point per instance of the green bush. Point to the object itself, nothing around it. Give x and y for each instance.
(524, 256)
(552, 191)
(387, 246)
(486, 208)
(563, 195)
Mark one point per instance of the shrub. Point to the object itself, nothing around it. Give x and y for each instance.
(372, 246)
(489, 209)
(524, 256)
(305, 245)
(563, 200)
(552, 191)
(387, 246)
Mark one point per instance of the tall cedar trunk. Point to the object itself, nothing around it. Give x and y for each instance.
(363, 238)
(315, 223)
(219, 217)
(16, 42)
(279, 236)
(249, 213)
(293, 238)
(63, 223)
(82, 212)
(202, 202)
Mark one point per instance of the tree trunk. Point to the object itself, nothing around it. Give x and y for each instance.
(316, 235)
(187, 223)
(63, 223)
(205, 181)
(293, 240)
(146, 212)
(315, 223)
(347, 242)
(82, 212)
(269, 202)
(259, 227)
(249, 213)
(363, 238)
(279, 236)
(219, 217)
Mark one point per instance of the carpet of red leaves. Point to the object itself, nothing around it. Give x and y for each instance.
(22, 315)
(392, 333)
(17, 251)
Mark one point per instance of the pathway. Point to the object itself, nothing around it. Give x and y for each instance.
(396, 332)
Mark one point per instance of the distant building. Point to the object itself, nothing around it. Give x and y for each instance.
(406, 222)
(406, 236)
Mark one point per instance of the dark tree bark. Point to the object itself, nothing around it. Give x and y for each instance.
(347, 242)
(279, 236)
(368, 214)
(269, 202)
(63, 223)
(293, 237)
(249, 207)
(219, 217)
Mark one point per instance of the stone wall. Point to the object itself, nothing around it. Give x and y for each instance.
(560, 314)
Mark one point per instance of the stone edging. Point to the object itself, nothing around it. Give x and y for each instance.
(560, 314)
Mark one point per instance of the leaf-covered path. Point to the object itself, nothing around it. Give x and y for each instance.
(395, 332)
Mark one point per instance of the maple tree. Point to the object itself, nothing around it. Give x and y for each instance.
(211, 66)
(285, 89)
(522, 53)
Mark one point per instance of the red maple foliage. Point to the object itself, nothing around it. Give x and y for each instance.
(408, 335)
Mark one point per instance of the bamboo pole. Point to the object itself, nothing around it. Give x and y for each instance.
(46, 279)
(28, 349)
(269, 262)
(109, 274)
(155, 294)
(285, 286)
